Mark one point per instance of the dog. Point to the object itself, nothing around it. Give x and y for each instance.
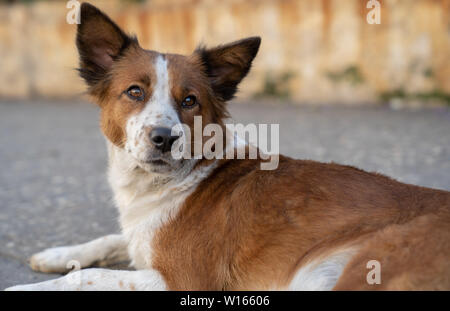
(223, 224)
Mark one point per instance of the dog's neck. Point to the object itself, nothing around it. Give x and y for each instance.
(132, 185)
(148, 200)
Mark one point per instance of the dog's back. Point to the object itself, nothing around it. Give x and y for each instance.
(306, 225)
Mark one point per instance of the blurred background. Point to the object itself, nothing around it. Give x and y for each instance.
(320, 51)
(375, 96)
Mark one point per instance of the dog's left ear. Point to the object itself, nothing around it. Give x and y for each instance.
(227, 65)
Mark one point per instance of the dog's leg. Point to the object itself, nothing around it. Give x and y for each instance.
(104, 251)
(100, 279)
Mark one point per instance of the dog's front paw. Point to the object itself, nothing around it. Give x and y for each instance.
(55, 260)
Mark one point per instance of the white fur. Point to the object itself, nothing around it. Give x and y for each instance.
(107, 250)
(158, 111)
(99, 279)
(321, 274)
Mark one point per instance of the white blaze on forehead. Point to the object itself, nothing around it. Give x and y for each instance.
(158, 111)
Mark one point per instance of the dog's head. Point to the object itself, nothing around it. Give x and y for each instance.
(143, 94)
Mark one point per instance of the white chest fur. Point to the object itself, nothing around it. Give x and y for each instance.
(146, 201)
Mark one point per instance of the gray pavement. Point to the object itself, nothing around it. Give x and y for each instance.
(53, 188)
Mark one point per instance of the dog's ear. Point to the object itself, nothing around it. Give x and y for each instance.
(99, 41)
(227, 65)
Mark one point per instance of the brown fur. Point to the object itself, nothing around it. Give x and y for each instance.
(250, 229)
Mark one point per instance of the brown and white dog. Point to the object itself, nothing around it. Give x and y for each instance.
(197, 224)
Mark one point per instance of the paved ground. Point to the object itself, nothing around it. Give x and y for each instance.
(53, 189)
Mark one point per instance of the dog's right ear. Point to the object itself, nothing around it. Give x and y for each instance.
(99, 41)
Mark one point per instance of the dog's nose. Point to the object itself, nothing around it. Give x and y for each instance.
(162, 139)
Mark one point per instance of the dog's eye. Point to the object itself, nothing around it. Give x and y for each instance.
(135, 92)
(189, 102)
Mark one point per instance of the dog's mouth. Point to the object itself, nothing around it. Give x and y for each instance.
(157, 162)
(157, 165)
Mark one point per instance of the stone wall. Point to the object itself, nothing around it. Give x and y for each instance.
(315, 51)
